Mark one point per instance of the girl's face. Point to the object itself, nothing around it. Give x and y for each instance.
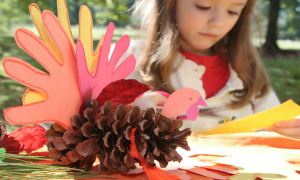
(202, 23)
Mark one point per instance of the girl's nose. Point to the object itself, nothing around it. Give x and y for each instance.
(217, 18)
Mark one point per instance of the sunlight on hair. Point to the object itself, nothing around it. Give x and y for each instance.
(143, 9)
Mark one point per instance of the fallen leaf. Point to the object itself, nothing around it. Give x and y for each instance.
(27, 138)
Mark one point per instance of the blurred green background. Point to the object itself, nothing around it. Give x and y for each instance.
(276, 32)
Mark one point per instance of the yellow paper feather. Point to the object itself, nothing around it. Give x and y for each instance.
(37, 19)
(63, 17)
(86, 37)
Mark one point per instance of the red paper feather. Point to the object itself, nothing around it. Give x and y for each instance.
(122, 91)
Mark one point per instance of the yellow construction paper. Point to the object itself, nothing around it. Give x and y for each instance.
(86, 37)
(31, 96)
(262, 120)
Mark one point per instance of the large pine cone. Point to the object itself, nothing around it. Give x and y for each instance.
(104, 132)
(2, 130)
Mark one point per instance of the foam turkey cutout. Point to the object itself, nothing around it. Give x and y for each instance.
(183, 102)
(59, 84)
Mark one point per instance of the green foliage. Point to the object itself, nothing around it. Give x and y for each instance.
(285, 77)
(2, 152)
(19, 166)
(288, 22)
(113, 10)
(289, 26)
(50, 4)
(10, 14)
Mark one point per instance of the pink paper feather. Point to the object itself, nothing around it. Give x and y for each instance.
(107, 70)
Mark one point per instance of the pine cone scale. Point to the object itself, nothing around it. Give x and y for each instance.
(88, 147)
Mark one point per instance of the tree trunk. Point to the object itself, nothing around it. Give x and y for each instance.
(130, 3)
(270, 46)
(74, 8)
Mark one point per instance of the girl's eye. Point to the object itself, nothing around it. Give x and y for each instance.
(203, 8)
(233, 13)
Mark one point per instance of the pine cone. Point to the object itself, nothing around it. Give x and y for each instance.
(2, 130)
(104, 132)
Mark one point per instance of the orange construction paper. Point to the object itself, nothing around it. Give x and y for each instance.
(59, 83)
(31, 96)
(85, 36)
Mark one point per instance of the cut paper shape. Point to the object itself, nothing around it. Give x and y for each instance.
(31, 96)
(210, 158)
(107, 70)
(63, 18)
(122, 92)
(258, 176)
(85, 35)
(86, 38)
(60, 83)
(210, 173)
(261, 120)
(242, 151)
(45, 36)
(183, 101)
(217, 171)
(229, 169)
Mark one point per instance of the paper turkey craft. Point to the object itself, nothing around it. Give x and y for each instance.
(67, 94)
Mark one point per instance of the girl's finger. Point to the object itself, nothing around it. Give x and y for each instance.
(295, 123)
(290, 132)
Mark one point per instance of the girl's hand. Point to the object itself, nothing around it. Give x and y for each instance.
(289, 128)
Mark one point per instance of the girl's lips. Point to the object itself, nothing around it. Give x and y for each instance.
(209, 35)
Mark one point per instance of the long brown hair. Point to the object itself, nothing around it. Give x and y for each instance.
(163, 43)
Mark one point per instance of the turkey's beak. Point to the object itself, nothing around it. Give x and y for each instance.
(201, 102)
(193, 111)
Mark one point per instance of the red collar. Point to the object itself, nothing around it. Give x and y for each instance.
(207, 61)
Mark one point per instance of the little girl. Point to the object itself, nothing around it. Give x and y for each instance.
(205, 45)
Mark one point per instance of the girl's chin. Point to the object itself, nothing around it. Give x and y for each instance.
(205, 50)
